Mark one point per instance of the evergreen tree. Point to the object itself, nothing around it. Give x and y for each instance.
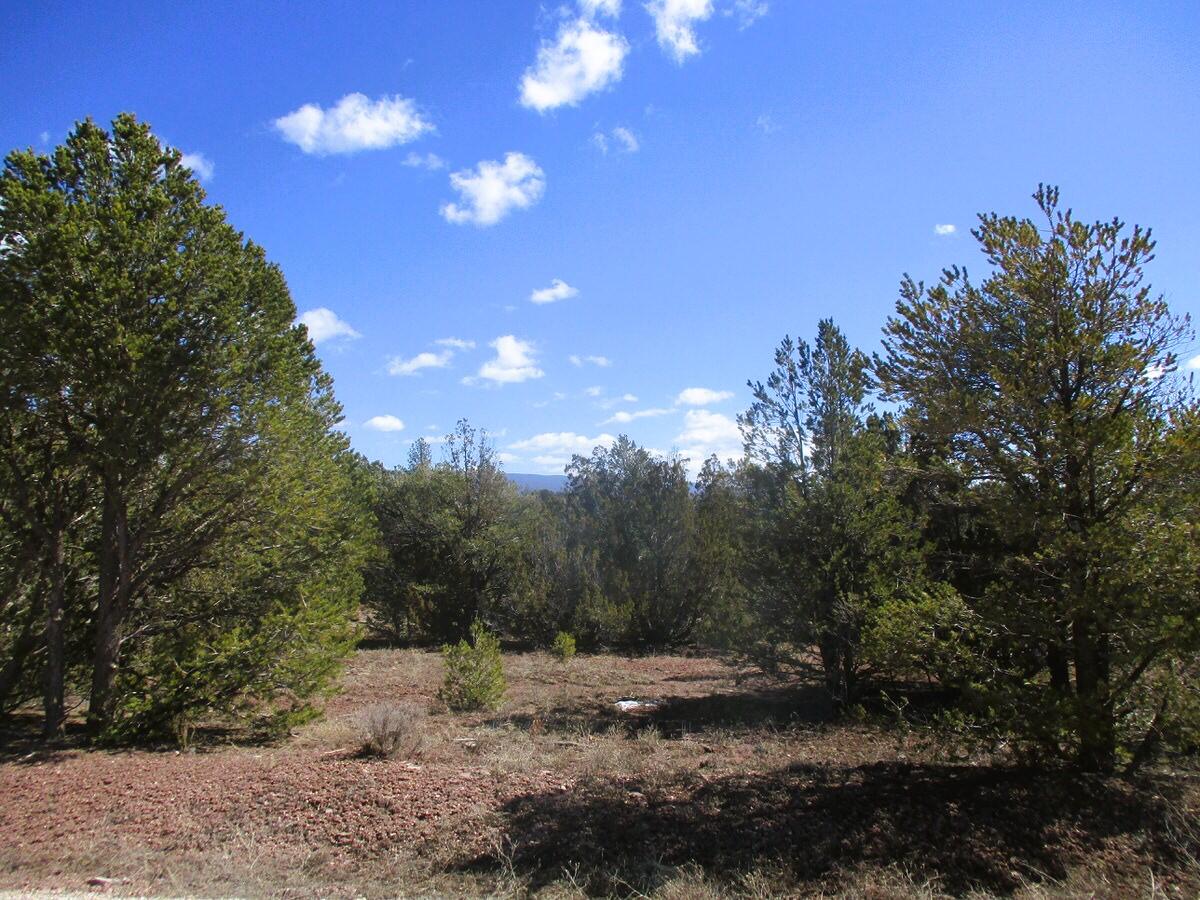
(153, 387)
(1049, 387)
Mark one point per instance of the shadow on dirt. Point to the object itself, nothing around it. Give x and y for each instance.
(774, 706)
(966, 827)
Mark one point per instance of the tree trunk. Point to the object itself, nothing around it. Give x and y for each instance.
(1057, 661)
(1097, 732)
(53, 702)
(831, 664)
(111, 607)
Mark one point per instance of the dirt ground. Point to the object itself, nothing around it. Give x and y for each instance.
(725, 784)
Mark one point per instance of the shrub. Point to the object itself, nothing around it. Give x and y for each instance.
(391, 729)
(564, 646)
(474, 672)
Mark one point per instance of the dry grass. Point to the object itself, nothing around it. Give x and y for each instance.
(730, 786)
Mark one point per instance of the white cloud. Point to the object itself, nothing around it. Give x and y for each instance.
(558, 290)
(354, 123)
(705, 433)
(766, 124)
(1194, 362)
(674, 23)
(492, 190)
(626, 138)
(610, 402)
(398, 365)
(698, 396)
(748, 12)
(200, 165)
(323, 325)
(580, 361)
(507, 458)
(515, 362)
(429, 161)
(553, 450)
(629, 416)
(44, 137)
(384, 423)
(456, 343)
(591, 8)
(626, 141)
(944, 230)
(581, 60)
(594, 391)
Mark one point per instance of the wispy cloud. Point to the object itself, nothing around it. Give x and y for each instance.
(456, 343)
(748, 12)
(384, 423)
(594, 391)
(675, 25)
(944, 230)
(582, 59)
(1194, 362)
(580, 361)
(492, 190)
(623, 139)
(766, 124)
(354, 123)
(699, 396)
(323, 325)
(200, 165)
(592, 8)
(625, 416)
(558, 290)
(398, 365)
(430, 161)
(515, 361)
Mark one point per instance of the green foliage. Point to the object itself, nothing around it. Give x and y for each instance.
(1047, 392)
(474, 672)
(928, 632)
(449, 541)
(161, 414)
(836, 542)
(563, 646)
(635, 511)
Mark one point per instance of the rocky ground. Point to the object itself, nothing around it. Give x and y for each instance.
(722, 784)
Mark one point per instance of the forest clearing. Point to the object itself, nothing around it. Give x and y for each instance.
(668, 449)
(731, 784)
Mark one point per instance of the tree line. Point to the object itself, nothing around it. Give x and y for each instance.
(1002, 501)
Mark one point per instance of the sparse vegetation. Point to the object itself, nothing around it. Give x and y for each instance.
(474, 672)
(393, 729)
(735, 785)
(563, 647)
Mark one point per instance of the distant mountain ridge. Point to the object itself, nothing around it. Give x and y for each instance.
(527, 482)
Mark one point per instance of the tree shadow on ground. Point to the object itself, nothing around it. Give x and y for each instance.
(772, 706)
(966, 827)
(21, 739)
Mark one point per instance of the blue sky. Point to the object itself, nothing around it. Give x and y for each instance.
(683, 181)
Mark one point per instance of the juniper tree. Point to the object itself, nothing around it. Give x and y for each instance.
(152, 353)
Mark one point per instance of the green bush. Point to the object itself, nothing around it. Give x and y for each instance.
(564, 646)
(474, 672)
